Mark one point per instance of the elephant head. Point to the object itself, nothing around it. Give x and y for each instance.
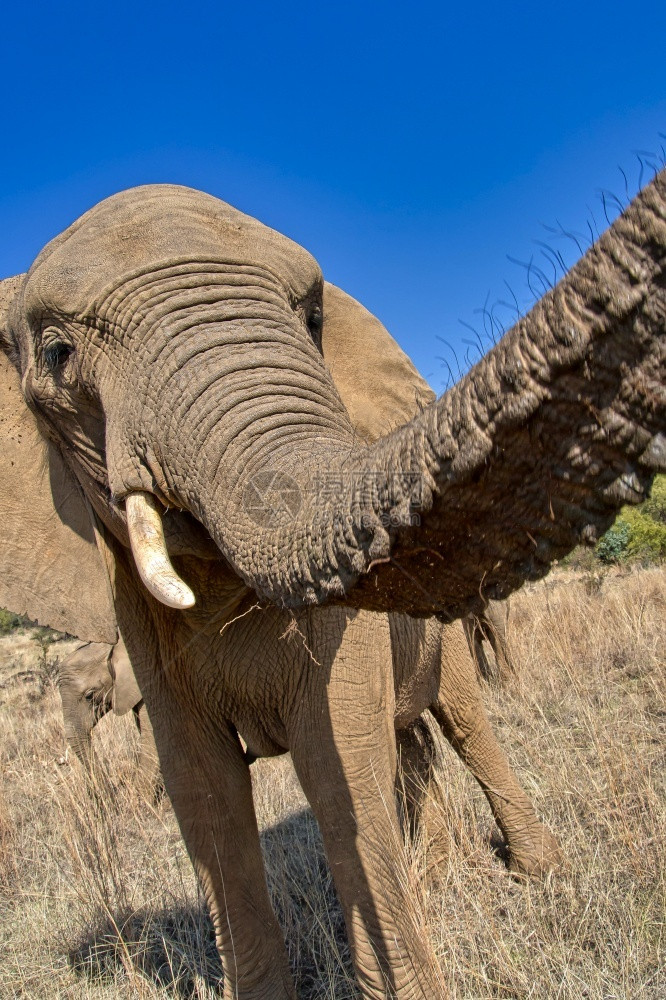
(169, 351)
(94, 679)
(97, 678)
(85, 684)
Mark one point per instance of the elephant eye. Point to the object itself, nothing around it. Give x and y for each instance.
(56, 353)
(315, 323)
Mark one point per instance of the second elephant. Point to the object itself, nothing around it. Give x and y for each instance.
(97, 678)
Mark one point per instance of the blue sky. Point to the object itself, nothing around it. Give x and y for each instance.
(410, 147)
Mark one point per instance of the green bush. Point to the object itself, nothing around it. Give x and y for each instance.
(613, 546)
(647, 538)
(9, 622)
(655, 506)
(638, 532)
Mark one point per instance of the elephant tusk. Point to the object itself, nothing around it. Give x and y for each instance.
(146, 535)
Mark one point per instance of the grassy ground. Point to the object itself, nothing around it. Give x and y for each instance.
(97, 897)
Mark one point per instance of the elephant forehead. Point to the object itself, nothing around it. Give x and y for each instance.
(146, 228)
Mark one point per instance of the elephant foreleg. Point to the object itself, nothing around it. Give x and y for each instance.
(460, 712)
(475, 637)
(417, 754)
(343, 746)
(208, 782)
(490, 626)
(493, 626)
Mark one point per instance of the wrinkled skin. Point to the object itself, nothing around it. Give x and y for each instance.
(491, 626)
(95, 679)
(168, 345)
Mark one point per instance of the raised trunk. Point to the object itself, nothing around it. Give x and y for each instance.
(532, 452)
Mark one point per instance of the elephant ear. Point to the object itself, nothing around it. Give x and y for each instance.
(126, 693)
(378, 383)
(51, 565)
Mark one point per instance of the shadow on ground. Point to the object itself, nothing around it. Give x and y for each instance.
(174, 947)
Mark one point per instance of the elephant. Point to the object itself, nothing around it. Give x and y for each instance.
(178, 464)
(491, 625)
(97, 678)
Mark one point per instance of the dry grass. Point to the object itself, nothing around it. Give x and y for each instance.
(97, 897)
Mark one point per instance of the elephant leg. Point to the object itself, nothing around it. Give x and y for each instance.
(208, 782)
(148, 766)
(475, 636)
(343, 746)
(495, 628)
(416, 759)
(460, 712)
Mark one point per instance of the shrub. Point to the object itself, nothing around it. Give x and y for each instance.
(613, 546)
(9, 622)
(647, 537)
(655, 506)
(638, 532)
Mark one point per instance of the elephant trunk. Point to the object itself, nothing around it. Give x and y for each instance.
(533, 451)
(78, 717)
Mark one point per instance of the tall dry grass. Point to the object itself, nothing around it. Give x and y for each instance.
(97, 897)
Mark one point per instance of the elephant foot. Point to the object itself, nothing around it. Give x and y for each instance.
(276, 984)
(537, 858)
